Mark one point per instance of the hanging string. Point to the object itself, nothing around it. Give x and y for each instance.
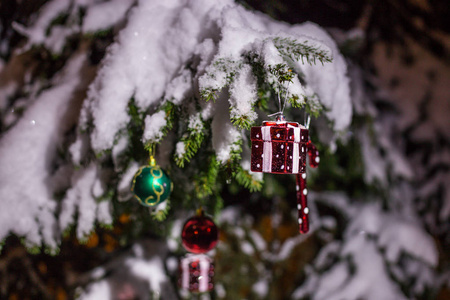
(279, 104)
(281, 108)
(285, 97)
(307, 120)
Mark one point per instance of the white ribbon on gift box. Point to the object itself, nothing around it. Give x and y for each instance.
(203, 281)
(267, 150)
(185, 273)
(295, 154)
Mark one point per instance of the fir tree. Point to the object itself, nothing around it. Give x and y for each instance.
(112, 81)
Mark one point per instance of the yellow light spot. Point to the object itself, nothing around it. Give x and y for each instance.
(92, 241)
(61, 294)
(42, 267)
(110, 243)
(117, 230)
(13, 297)
(124, 218)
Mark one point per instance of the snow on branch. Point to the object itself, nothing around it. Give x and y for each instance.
(296, 50)
(374, 247)
(27, 206)
(144, 64)
(193, 71)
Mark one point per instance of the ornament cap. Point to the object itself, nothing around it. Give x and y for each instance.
(152, 161)
(151, 148)
(280, 118)
(199, 212)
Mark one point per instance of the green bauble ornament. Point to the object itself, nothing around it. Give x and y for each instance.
(151, 185)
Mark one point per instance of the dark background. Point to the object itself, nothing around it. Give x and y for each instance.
(411, 35)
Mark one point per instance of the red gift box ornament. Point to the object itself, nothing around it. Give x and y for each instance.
(280, 147)
(196, 273)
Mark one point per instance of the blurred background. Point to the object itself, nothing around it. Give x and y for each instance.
(399, 50)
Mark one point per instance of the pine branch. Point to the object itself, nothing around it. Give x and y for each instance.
(311, 104)
(161, 211)
(235, 153)
(245, 179)
(137, 117)
(282, 72)
(295, 51)
(192, 141)
(225, 67)
(205, 182)
(170, 110)
(218, 204)
(242, 122)
(209, 94)
(264, 91)
(242, 176)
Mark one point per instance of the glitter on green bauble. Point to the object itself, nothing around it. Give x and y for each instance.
(151, 185)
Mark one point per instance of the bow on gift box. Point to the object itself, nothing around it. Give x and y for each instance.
(280, 147)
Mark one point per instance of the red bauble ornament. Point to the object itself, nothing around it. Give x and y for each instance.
(199, 234)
